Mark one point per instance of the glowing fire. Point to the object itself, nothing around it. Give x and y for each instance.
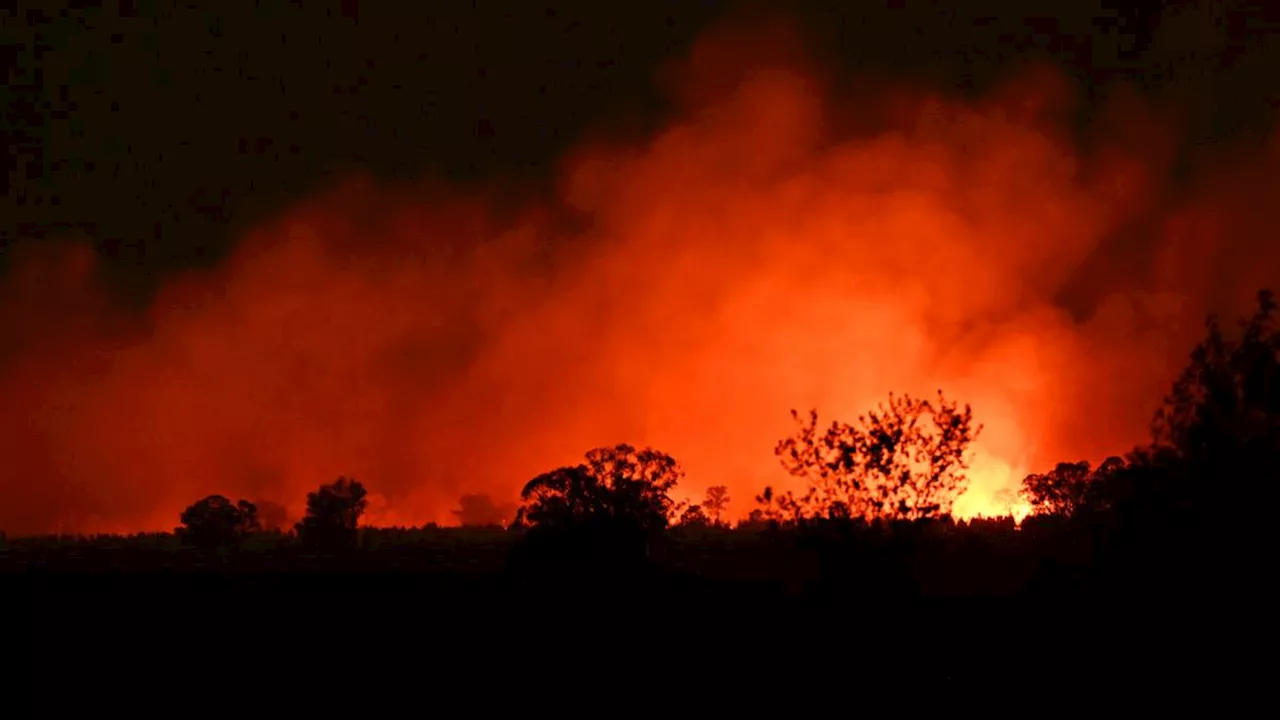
(746, 260)
(992, 491)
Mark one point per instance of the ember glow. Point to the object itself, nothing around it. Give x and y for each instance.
(683, 292)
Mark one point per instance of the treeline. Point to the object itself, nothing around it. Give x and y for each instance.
(874, 517)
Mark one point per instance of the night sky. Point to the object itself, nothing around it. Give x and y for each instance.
(162, 128)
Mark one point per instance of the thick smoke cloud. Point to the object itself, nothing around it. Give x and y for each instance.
(684, 292)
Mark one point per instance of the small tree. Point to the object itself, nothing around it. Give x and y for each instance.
(694, 516)
(716, 503)
(904, 460)
(333, 514)
(618, 485)
(216, 522)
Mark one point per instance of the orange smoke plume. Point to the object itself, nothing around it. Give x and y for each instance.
(686, 292)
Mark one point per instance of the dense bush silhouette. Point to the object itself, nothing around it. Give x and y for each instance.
(216, 522)
(479, 510)
(333, 515)
(904, 460)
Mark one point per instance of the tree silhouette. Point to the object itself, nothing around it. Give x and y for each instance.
(695, 516)
(619, 484)
(1069, 487)
(904, 460)
(1224, 410)
(716, 503)
(1219, 425)
(216, 522)
(479, 510)
(333, 514)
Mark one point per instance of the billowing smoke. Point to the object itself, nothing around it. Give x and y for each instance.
(685, 292)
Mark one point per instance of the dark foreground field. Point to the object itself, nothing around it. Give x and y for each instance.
(945, 609)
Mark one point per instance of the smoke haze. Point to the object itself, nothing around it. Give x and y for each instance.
(786, 241)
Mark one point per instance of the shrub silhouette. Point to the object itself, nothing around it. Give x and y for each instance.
(905, 460)
(216, 522)
(479, 510)
(333, 514)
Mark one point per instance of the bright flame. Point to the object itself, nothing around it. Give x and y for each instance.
(992, 490)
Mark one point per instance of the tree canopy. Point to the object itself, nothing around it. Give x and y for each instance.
(618, 484)
(215, 521)
(1226, 403)
(1070, 487)
(333, 513)
(1221, 420)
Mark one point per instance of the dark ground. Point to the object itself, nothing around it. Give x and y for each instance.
(734, 613)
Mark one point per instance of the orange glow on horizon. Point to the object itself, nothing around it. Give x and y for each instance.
(683, 293)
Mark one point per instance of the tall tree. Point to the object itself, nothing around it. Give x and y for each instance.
(1219, 428)
(1225, 407)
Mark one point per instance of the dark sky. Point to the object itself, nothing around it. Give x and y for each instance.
(161, 127)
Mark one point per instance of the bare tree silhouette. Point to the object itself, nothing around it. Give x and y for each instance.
(904, 460)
